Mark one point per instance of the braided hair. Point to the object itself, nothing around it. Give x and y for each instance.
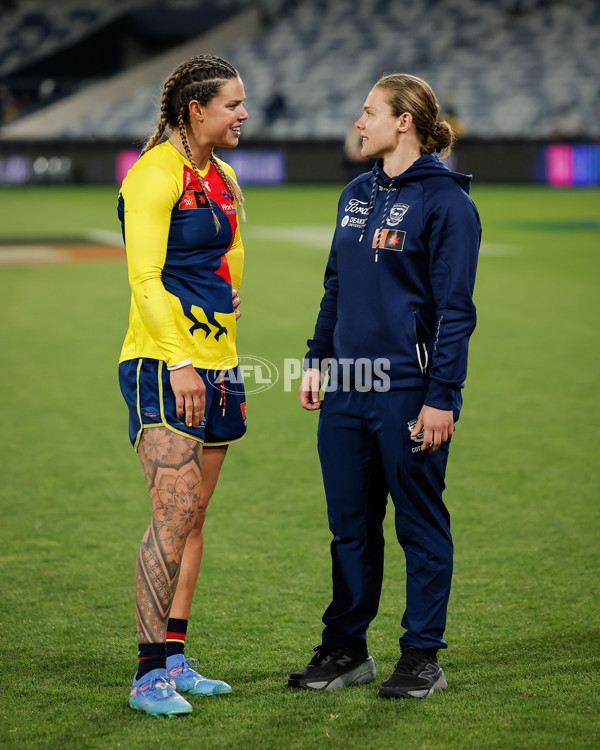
(200, 78)
(407, 93)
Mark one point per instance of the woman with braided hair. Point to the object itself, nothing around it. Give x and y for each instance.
(178, 366)
(394, 325)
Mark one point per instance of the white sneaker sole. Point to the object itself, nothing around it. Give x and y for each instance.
(439, 684)
(361, 674)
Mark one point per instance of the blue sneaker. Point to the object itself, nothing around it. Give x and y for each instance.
(156, 695)
(179, 670)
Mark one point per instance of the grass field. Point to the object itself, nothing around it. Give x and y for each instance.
(524, 635)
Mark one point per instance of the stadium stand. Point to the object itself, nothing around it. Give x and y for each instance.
(513, 68)
(49, 51)
(33, 31)
(143, 40)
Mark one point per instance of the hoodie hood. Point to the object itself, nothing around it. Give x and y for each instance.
(425, 167)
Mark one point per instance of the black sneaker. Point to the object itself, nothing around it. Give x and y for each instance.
(334, 667)
(416, 675)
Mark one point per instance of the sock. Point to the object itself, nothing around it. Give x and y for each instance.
(151, 656)
(176, 632)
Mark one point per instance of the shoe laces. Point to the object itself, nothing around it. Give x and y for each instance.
(323, 653)
(412, 661)
(326, 653)
(192, 663)
(156, 682)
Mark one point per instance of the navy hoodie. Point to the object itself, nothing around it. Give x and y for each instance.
(400, 276)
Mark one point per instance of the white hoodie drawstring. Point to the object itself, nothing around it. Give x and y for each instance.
(369, 207)
(383, 218)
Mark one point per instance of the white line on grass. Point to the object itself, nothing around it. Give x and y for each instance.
(32, 254)
(320, 236)
(104, 237)
(315, 236)
(311, 235)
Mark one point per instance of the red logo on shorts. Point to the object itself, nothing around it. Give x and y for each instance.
(243, 408)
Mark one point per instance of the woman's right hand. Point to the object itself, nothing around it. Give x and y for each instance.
(190, 395)
(309, 389)
(236, 303)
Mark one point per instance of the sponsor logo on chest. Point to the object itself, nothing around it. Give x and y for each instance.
(390, 239)
(397, 212)
(193, 199)
(356, 214)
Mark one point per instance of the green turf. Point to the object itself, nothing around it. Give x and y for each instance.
(523, 667)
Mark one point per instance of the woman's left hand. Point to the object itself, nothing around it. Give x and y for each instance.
(437, 426)
(236, 303)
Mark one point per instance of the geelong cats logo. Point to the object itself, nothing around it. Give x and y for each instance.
(397, 214)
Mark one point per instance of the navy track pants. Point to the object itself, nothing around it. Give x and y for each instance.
(366, 453)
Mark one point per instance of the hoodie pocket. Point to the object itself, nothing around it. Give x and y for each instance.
(421, 344)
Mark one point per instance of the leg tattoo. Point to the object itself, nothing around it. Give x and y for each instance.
(173, 468)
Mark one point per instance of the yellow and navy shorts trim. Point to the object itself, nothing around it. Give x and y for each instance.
(146, 388)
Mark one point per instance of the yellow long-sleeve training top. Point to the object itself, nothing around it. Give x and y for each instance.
(181, 270)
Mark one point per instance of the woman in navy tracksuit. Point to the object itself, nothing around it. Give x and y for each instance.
(394, 327)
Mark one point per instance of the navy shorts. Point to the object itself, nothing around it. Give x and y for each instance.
(146, 388)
